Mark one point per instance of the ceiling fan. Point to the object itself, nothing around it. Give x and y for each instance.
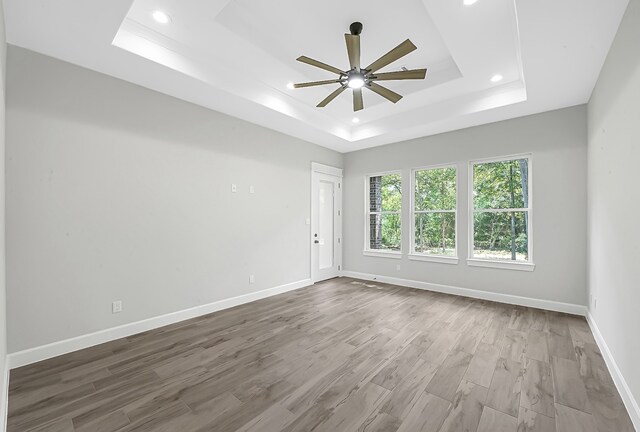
(358, 77)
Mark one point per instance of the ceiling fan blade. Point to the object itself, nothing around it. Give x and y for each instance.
(316, 63)
(353, 49)
(401, 75)
(357, 99)
(315, 83)
(384, 92)
(398, 52)
(331, 97)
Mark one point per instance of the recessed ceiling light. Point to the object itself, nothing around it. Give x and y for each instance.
(496, 78)
(356, 120)
(290, 86)
(161, 17)
(469, 2)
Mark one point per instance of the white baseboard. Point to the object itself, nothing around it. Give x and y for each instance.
(621, 384)
(33, 355)
(569, 308)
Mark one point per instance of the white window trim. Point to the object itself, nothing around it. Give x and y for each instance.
(442, 259)
(509, 265)
(417, 256)
(382, 253)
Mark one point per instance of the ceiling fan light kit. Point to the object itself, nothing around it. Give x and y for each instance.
(357, 78)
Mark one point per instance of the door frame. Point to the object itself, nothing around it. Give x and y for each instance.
(318, 168)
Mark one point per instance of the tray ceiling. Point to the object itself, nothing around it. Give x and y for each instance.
(237, 57)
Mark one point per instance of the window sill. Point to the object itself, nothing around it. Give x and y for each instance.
(434, 258)
(507, 265)
(383, 254)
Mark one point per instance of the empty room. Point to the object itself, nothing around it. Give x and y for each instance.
(265, 216)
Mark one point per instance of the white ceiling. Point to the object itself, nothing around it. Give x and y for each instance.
(237, 57)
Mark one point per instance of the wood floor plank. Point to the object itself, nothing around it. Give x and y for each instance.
(353, 411)
(217, 406)
(572, 420)
(561, 346)
(26, 412)
(569, 389)
(159, 419)
(537, 388)
(495, 331)
(111, 422)
(340, 355)
(427, 415)
(514, 345)
(405, 394)
(274, 418)
(537, 346)
(520, 319)
(380, 422)
(59, 425)
(398, 368)
(606, 404)
(482, 365)
(466, 408)
(531, 421)
(558, 324)
(426, 337)
(470, 339)
(439, 349)
(506, 385)
(446, 381)
(579, 330)
(496, 421)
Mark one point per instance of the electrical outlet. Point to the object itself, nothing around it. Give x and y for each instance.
(234, 188)
(252, 279)
(116, 306)
(398, 267)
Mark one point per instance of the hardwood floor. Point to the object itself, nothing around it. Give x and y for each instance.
(343, 355)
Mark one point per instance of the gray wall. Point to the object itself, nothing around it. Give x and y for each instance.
(557, 141)
(3, 310)
(115, 192)
(614, 200)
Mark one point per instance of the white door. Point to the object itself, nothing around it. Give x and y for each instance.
(326, 226)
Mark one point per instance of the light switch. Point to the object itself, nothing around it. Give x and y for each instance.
(234, 188)
(252, 189)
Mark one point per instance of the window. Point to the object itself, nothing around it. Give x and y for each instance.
(383, 215)
(434, 214)
(501, 212)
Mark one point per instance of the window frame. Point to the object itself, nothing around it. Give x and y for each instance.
(367, 251)
(529, 265)
(417, 256)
